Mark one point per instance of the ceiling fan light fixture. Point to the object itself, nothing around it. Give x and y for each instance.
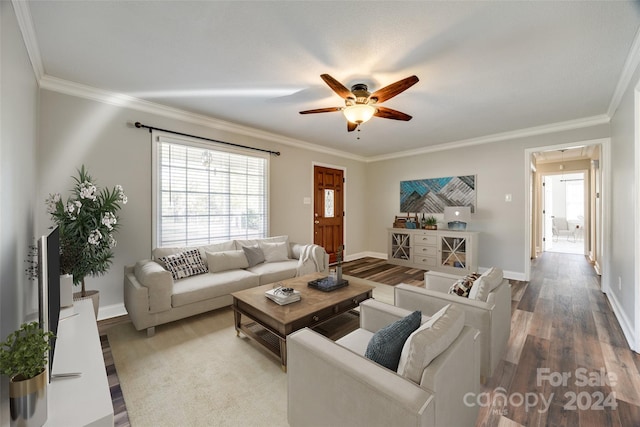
(359, 113)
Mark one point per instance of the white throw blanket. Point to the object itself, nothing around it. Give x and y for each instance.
(311, 259)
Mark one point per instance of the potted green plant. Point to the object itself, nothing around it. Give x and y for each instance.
(431, 223)
(88, 222)
(23, 358)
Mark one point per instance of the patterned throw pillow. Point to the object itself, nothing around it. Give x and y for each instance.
(386, 345)
(463, 285)
(184, 264)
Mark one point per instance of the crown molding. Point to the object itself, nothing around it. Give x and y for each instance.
(497, 137)
(630, 65)
(121, 100)
(25, 23)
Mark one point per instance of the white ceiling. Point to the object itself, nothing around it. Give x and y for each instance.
(485, 68)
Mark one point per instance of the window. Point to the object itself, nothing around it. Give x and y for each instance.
(206, 193)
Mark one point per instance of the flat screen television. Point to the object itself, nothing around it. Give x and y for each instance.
(49, 287)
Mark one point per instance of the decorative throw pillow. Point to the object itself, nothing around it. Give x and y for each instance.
(385, 345)
(254, 255)
(463, 285)
(429, 343)
(480, 289)
(274, 252)
(226, 260)
(184, 264)
(426, 324)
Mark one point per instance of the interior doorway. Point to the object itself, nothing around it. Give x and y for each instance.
(591, 158)
(565, 200)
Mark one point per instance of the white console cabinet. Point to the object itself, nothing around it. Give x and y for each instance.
(448, 251)
(84, 400)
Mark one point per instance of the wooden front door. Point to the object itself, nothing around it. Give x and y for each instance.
(328, 211)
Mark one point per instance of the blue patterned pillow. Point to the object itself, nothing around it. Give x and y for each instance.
(385, 345)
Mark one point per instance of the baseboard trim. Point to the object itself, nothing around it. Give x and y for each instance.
(359, 255)
(623, 321)
(111, 311)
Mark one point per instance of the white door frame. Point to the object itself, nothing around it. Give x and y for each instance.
(586, 213)
(605, 164)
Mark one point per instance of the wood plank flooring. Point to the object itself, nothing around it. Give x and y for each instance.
(561, 322)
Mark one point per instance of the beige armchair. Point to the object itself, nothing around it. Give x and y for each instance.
(560, 227)
(491, 316)
(332, 383)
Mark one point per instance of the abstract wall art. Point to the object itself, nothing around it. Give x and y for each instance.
(433, 194)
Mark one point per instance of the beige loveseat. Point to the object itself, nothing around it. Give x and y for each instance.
(333, 384)
(489, 312)
(152, 295)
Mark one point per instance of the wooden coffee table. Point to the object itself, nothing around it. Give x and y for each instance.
(270, 323)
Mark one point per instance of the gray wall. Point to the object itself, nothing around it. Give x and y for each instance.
(18, 125)
(623, 213)
(499, 168)
(76, 131)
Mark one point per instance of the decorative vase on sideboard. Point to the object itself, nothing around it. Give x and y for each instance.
(66, 290)
(28, 401)
(93, 295)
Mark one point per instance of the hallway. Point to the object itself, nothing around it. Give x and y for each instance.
(566, 350)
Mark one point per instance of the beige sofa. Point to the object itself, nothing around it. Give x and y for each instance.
(153, 297)
(333, 384)
(490, 313)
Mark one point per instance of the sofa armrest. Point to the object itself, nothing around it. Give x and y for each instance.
(437, 281)
(159, 283)
(330, 385)
(375, 315)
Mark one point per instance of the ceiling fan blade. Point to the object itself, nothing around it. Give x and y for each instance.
(322, 110)
(351, 126)
(336, 86)
(393, 89)
(388, 113)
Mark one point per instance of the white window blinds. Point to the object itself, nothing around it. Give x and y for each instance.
(206, 194)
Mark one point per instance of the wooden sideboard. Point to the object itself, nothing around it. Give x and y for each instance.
(448, 251)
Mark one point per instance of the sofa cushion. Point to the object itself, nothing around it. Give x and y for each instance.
(184, 264)
(462, 286)
(256, 242)
(229, 245)
(205, 286)
(386, 344)
(494, 276)
(272, 272)
(480, 289)
(274, 251)
(254, 255)
(226, 260)
(427, 343)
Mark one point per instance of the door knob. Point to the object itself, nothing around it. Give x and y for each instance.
(316, 222)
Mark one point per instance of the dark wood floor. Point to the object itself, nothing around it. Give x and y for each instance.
(561, 322)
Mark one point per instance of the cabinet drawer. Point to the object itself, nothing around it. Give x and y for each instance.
(425, 251)
(427, 261)
(425, 239)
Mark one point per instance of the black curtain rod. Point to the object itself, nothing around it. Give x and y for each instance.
(151, 128)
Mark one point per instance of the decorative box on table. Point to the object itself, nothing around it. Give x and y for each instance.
(328, 284)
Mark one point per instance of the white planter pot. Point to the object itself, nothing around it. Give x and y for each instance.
(66, 290)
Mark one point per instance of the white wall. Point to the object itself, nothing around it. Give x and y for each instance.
(623, 293)
(499, 170)
(18, 117)
(76, 131)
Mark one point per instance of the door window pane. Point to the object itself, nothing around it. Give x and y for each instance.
(329, 205)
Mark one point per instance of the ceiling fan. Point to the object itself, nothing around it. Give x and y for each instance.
(361, 105)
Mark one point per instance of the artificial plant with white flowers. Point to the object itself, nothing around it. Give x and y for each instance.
(87, 221)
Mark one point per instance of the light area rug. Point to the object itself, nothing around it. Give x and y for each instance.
(197, 372)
